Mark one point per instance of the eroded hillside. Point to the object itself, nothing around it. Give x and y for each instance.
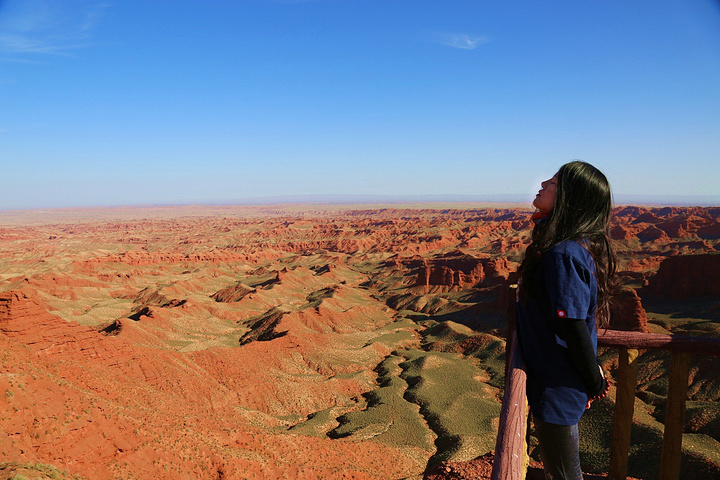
(291, 343)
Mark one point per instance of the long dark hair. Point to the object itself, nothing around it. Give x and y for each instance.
(583, 203)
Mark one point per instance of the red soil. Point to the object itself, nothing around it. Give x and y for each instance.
(185, 347)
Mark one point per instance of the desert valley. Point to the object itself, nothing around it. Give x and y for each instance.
(312, 341)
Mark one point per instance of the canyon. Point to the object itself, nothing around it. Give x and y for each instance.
(312, 341)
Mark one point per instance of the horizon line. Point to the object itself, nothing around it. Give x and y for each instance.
(354, 199)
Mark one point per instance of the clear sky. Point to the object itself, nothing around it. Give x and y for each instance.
(159, 102)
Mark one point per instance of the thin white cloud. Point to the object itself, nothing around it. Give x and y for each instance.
(93, 15)
(14, 43)
(462, 41)
(20, 60)
(42, 27)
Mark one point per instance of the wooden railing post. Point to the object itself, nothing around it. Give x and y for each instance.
(624, 409)
(511, 458)
(674, 416)
(510, 447)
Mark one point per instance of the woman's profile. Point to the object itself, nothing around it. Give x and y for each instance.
(564, 291)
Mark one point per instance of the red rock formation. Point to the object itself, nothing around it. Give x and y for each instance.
(498, 270)
(687, 276)
(646, 217)
(208, 389)
(681, 226)
(627, 312)
(711, 230)
(233, 293)
(25, 321)
(452, 269)
(447, 276)
(652, 234)
(618, 232)
(629, 212)
(457, 269)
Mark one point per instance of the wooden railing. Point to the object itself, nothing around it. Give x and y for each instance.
(510, 447)
(681, 350)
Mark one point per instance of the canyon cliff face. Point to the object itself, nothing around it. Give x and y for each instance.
(687, 276)
(458, 269)
(28, 323)
(627, 312)
(228, 342)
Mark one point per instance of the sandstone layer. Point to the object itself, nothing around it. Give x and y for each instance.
(307, 342)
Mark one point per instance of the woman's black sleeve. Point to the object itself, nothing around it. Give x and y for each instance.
(580, 347)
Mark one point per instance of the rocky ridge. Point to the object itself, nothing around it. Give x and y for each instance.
(301, 344)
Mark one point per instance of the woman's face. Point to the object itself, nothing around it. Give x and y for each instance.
(545, 198)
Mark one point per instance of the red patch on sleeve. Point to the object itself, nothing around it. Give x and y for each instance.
(561, 313)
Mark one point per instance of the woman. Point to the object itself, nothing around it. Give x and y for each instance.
(564, 290)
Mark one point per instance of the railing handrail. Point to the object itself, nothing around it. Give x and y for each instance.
(509, 461)
(659, 341)
(509, 450)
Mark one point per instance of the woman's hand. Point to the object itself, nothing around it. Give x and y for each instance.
(600, 395)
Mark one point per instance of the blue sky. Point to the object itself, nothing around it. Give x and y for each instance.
(161, 102)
